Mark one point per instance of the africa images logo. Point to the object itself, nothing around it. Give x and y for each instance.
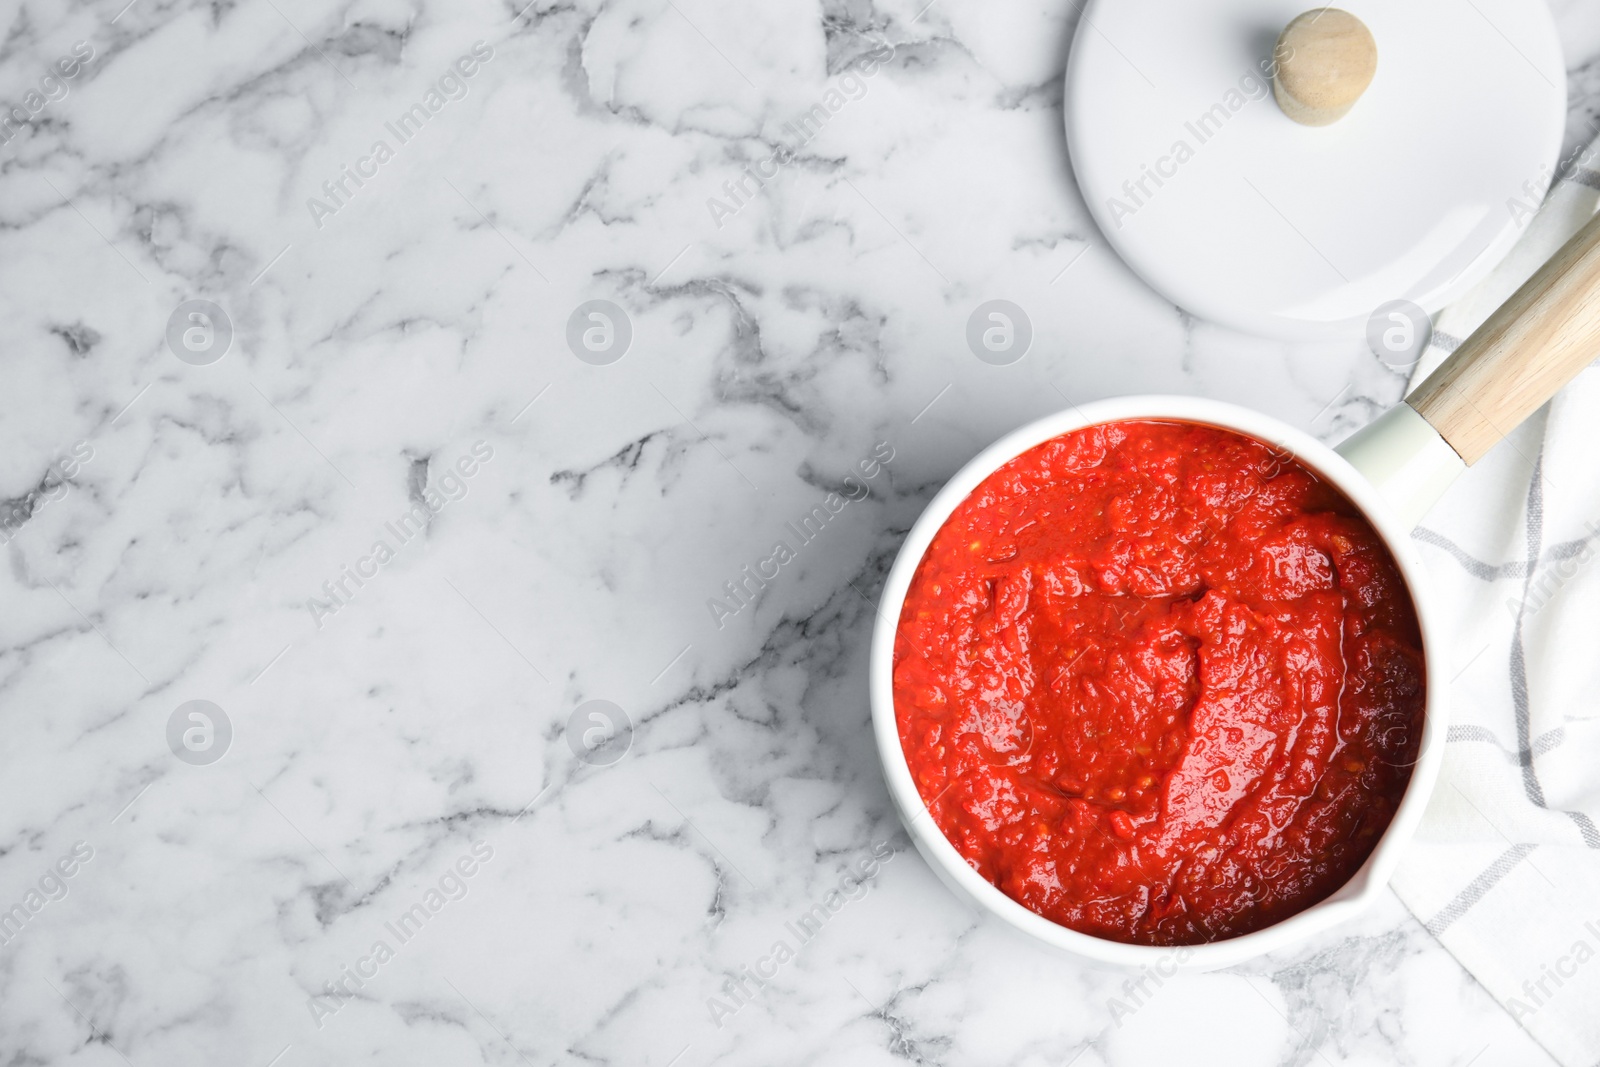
(427, 502)
(451, 85)
(802, 131)
(54, 85)
(743, 589)
(1137, 191)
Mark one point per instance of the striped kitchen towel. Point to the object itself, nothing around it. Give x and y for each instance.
(1505, 869)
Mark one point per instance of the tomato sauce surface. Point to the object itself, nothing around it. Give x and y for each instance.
(1159, 683)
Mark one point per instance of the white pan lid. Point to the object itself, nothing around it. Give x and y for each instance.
(1239, 215)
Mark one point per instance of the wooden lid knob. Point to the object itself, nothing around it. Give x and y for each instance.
(1322, 64)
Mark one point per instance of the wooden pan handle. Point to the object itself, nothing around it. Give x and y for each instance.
(1532, 345)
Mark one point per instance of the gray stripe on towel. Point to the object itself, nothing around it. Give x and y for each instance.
(1478, 887)
(1548, 741)
(1584, 176)
(1444, 342)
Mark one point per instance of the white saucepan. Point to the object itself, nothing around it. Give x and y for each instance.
(1393, 471)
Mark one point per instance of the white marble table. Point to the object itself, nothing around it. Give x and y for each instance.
(395, 766)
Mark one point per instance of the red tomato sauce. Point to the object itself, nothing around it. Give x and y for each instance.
(1159, 683)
